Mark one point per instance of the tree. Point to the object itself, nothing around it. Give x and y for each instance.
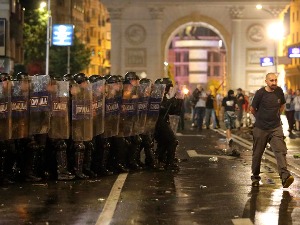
(35, 33)
(35, 37)
(79, 58)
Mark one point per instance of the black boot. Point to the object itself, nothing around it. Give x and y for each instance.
(171, 162)
(133, 149)
(148, 146)
(87, 160)
(79, 154)
(61, 158)
(31, 158)
(105, 146)
(119, 150)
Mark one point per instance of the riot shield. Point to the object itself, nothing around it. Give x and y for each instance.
(98, 107)
(113, 98)
(174, 121)
(39, 105)
(156, 97)
(143, 94)
(128, 110)
(59, 121)
(20, 109)
(5, 110)
(82, 116)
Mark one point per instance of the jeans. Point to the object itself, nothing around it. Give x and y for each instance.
(210, 113)
(200, 112)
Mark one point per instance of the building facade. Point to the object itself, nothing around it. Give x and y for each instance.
(11, 35)
(143, 29)
(92, 26)
(293, 40)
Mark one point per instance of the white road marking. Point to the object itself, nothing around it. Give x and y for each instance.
(109, 208)
(242, 221)
(189, 135)
(193, 153)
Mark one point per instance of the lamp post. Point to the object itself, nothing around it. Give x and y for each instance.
(276, 32)
(48, 37)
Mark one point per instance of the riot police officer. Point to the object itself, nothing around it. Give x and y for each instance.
(82, 126)
(164, 135)
(7, 150)
(60, 126)
(101, 144)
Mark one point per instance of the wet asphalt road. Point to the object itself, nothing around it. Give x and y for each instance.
(204, 191)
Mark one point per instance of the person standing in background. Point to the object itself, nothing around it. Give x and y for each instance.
(240, 102)
(290, 109)
(229, 103)
(193, 101)
(210, 111)
(200, 107)
(297, 109)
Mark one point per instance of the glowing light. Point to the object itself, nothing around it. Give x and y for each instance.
(43, 5)
(259, 6)
(276, 31)
(185, 91)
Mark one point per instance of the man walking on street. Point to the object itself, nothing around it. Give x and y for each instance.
(267, 106)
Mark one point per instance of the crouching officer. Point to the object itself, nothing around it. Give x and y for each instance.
(164, 135)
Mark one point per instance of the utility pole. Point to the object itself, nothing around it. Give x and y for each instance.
(48, 36)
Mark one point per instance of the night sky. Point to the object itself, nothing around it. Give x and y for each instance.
(30, 4)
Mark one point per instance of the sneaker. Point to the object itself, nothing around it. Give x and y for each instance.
(230, 142)
(235, 153)
(288, 181)
(255, 180)
(255, 183)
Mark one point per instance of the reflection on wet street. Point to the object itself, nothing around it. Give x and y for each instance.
(210, 188)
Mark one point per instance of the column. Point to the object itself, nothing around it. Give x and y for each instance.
(116, 40)
(155, 60)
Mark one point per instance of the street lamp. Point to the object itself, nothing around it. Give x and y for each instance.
(276, 33)
(48, 37)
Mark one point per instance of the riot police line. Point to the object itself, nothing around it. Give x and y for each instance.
(79, 127)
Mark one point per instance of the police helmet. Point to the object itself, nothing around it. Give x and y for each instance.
(131, 76)
(113, 79)
(80, 78)
(4, 77)
(57, 77)
(22, 76)
(68, 77)
(158, 81)
(145, 81)
(121, 79)
(94, 78)
(107, 76)
(168, 82)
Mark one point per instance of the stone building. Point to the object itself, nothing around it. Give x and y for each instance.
(11, 35)
(142, 31)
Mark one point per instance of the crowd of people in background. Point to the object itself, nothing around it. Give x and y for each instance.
(207, 109)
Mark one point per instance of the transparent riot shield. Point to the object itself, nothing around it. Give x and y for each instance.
(113, 98)
(128, 110)
(20, 109)
(156, 97)
(39, 105)
(144, 91)
(59, 121)
(5, 110)
(82, 116)
(98, 106)
(174, 121)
